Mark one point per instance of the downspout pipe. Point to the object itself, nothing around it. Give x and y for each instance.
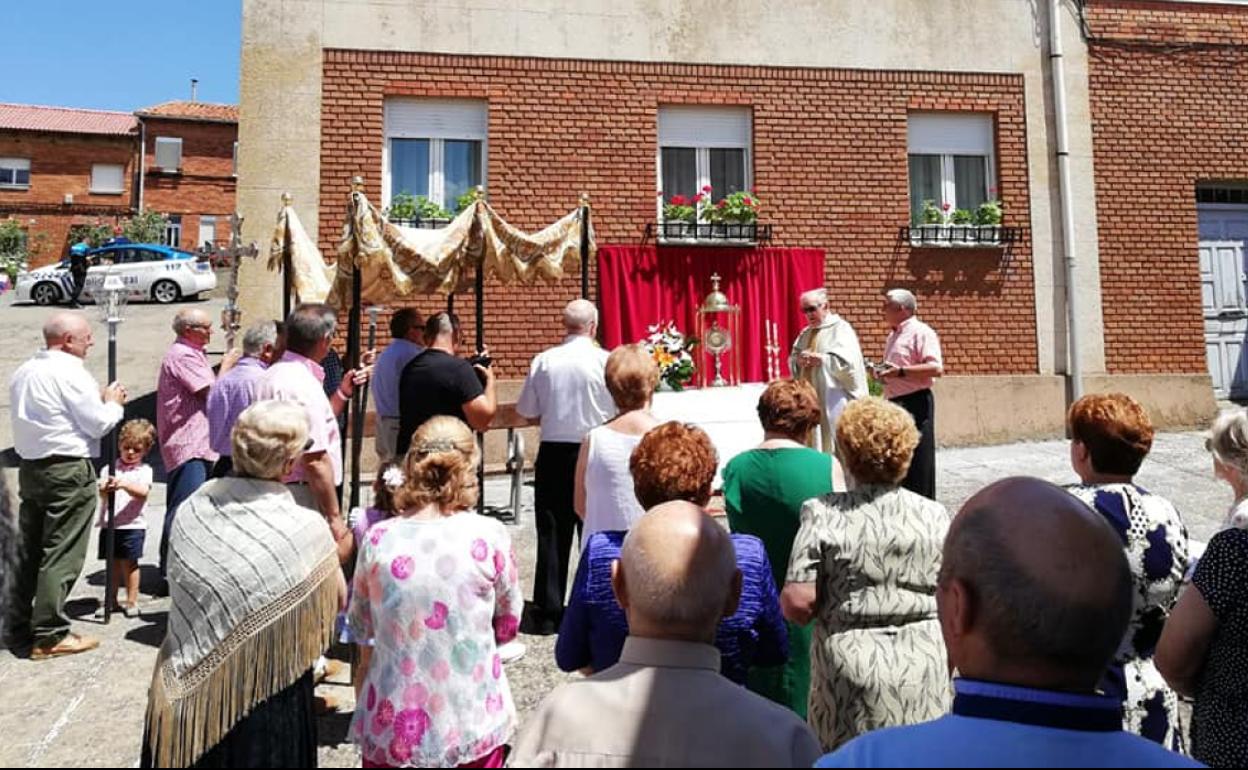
(1074, 348)
(142, 160)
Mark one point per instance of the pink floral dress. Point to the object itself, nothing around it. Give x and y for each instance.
(437, 597)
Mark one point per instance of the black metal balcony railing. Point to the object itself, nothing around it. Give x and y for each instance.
(972, 236)
(726, 234)
(421, 224)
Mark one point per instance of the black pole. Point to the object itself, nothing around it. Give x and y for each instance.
(479, 291)
(110, 451)
(584, 247)
(353, 362)
(357, 428)
(287, 278)
(450, 302)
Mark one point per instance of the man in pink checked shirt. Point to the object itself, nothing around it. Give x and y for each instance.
(912, 360)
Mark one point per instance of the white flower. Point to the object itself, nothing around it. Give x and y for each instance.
(393, 477)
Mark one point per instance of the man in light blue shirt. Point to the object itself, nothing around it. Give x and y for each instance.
(405, 328)
(1034, 597)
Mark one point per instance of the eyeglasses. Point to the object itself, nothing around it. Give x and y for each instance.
(811, 308)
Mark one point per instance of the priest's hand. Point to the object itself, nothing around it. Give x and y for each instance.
(809, 360)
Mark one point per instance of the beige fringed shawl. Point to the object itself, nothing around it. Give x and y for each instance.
(254, 588)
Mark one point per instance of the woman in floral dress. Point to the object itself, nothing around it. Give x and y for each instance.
(1111, 435)
(437, 589)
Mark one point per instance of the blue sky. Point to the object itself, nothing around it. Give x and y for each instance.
(118, 54)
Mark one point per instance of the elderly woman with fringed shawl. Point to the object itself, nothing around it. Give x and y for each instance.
(255, 585)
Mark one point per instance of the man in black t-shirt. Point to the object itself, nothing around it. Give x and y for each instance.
(437, 382)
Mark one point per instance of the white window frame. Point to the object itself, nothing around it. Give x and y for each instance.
(97, 189)
(950, 134)
(212, 218)
(16, 164)
(173, 232)
(234, 173)
(435, 121)
(172, 141)
(731, 128)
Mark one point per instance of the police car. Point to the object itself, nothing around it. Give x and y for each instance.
(148, 270)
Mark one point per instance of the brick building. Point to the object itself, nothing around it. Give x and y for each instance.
(189, 154)
(844, 117)
(64, 168)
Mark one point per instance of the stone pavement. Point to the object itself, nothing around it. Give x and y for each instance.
(87, 710)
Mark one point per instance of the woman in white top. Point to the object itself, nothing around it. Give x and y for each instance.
(604, 484)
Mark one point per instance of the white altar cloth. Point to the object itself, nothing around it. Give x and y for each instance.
(729, 415)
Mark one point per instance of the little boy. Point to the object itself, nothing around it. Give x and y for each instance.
(131, 485)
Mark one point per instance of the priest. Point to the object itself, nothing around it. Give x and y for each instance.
(827, 355)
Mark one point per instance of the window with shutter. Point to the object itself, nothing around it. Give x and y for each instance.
(435, 148)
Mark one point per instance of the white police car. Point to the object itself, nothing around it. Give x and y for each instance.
(149, 271)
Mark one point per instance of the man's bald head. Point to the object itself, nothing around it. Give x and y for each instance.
(580, 316)
(1046, 585)
(679, 571)
(189, 318)
(63, 324)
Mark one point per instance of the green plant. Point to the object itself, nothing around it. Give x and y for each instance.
(93, 235)
(680, 209)
(931, 215)
(740, 207)
(465, 200)
(148, 227)
(408, 206)
(962, 217)
(13, 252)
(990, 213)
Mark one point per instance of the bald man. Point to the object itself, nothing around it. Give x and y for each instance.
(59, 416)
(665, 704)
(182, 412)
(566, 393)
(1034, 597)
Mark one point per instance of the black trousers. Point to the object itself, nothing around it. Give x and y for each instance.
(223, 468)
(921, 478)
(557, 523)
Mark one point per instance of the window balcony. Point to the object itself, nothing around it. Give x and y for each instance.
(961, 236)
(706, 234)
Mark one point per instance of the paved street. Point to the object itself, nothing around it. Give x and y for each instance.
(88, 709)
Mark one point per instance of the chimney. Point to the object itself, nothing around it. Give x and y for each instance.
(194, 88)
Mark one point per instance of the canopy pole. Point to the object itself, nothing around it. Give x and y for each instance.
(287, 263)
(354, 406)
(584, 245)
(479, 292)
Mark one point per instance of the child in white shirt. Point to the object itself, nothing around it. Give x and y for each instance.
(130, 485)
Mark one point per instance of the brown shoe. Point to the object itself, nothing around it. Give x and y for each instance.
(70, 644)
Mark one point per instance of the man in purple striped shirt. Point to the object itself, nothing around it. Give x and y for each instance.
(236, 390)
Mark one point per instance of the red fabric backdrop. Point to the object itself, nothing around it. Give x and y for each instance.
(642, 285)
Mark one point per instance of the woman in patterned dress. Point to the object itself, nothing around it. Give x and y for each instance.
(1110, 436)
(436, 588)
(864, 567)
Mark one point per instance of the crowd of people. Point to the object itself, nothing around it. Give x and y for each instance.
(838, 615)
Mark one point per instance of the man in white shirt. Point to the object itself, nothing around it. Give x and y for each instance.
(566, 392)
(406, 334)
(59, 416)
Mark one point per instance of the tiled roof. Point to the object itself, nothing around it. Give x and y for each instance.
(68, 120)
(217, 113)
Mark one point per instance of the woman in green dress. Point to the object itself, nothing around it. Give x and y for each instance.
(764, 490)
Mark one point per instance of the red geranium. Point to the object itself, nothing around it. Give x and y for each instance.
(706, 189)
(678, 200)
(698, 198)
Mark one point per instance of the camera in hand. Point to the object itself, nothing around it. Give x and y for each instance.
(481, 359)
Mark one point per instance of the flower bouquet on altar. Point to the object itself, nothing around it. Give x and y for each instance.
(672, 352)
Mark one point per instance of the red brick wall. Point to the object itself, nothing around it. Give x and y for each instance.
(1169, 95)
(829, 163)
(60, 164)
(206, 184)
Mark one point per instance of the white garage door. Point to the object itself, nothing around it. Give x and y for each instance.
(1223, 235)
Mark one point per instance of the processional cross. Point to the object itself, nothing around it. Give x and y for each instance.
(231, 317)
